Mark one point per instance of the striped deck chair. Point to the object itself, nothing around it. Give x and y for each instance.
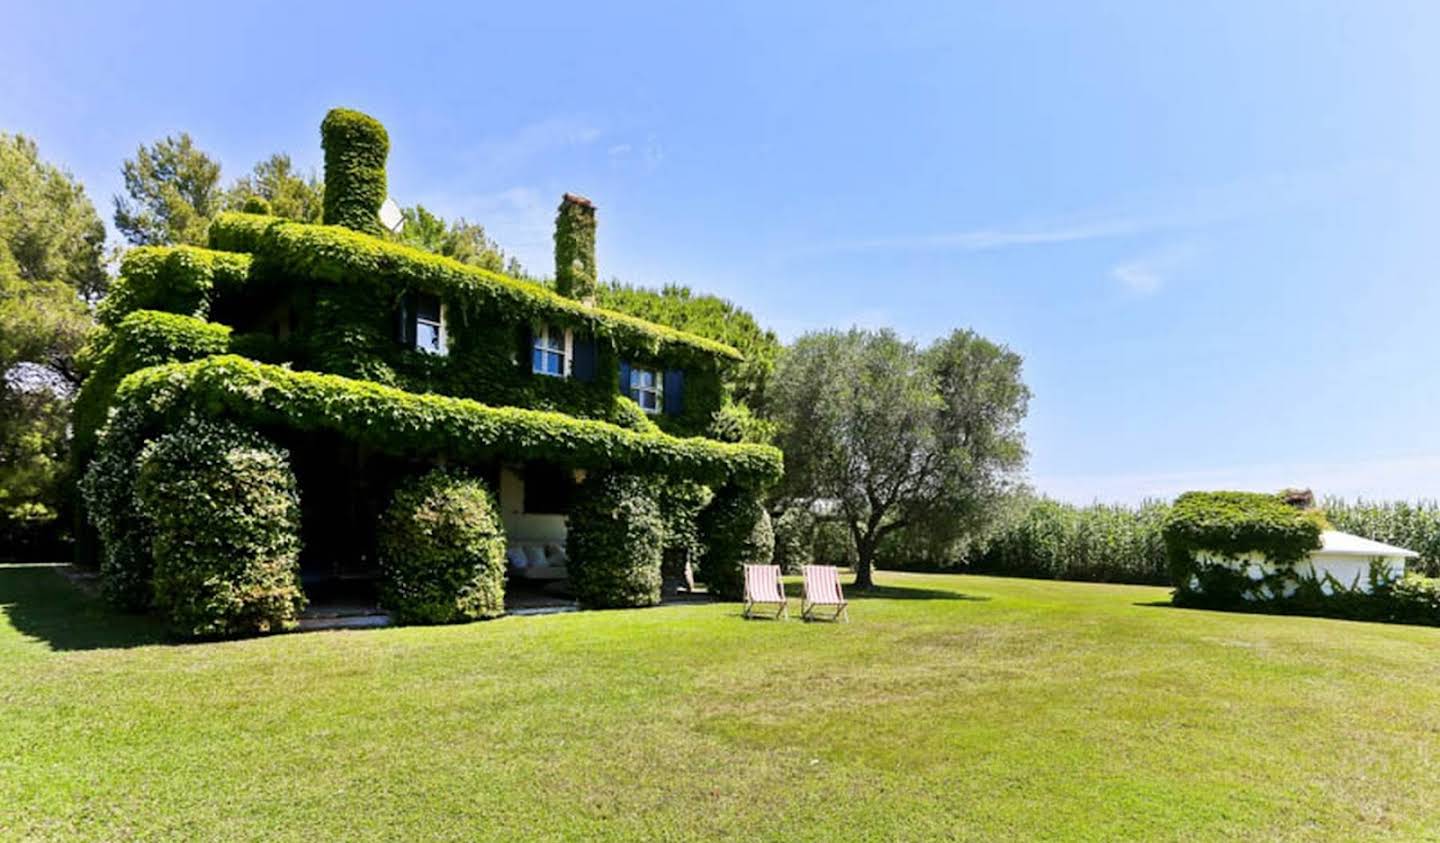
(762, 588)
(822, 591)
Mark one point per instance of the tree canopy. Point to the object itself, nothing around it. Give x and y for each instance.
(289, 193)
(464, 241)
(173, 189)
(896, 435)
(47, 224)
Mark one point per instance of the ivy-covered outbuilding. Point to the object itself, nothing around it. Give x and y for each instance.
(327, 373)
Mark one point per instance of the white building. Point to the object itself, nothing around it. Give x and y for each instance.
(1342, 562)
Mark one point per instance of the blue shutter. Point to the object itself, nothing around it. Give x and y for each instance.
(405, 321)
(624, 379)
(583, 365)
(526, 349)
(674, 392)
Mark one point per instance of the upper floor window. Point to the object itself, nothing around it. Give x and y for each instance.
(422, 323)
(551, 352)
(647, 389)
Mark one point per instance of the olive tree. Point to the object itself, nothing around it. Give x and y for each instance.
(898, 436)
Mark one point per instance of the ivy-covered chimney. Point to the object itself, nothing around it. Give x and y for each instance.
(356, 146)
(575, 248)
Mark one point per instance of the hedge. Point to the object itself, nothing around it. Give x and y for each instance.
(356, 146)
(615, 541)
(175, 279)
(225, 518)
(1233, 524)
(282, 248)
(397, 422)
(442, 551)
(735, 530)
(141, 339)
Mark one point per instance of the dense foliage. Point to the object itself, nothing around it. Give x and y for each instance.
(1235, 524)
(175, 279)
(48, 227)
(1413, 526)
(900, 438)
(442, 551)
(329, 253)
(707, 316)
(735, 530)
(1100, 542)
(615, 541)
(224, 518)
(402, 423)
(466, 242)
(51, 243)
(575, 248)
(172, 191)
(356, 146)
(281, 190)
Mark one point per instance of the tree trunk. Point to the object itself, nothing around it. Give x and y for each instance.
(864, 566)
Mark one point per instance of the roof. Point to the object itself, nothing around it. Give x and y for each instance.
(332, 253)
(1336, 543)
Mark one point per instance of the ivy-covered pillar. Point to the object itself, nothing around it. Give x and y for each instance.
(735, 530)
(575, 274)
(615, 541)
(356, 146)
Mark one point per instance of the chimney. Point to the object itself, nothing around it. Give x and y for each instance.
(575, 248)
(356, 146)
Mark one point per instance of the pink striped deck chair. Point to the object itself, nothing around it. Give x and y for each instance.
(762, 588)
(822, 591)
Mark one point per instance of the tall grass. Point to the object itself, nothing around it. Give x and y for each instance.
(1415, 526)
(1100, 542)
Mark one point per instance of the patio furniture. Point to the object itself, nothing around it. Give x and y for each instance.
(822, 592)
(762, 589)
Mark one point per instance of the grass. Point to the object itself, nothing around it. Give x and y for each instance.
(953, 707)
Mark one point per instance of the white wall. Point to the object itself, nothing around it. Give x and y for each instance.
(1349, 571)
(521, 527)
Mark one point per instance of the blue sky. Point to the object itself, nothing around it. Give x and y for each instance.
(1213, 233)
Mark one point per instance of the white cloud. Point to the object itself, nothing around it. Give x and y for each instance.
(1146, 274)
(979, 240)
(505, 153)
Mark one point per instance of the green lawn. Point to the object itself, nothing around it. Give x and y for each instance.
(952, 707)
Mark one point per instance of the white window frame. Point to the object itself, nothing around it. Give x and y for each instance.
(634, 389)
(444, 348)
(546, 342)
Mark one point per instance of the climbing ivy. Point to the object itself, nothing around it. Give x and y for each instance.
(356, 146)
(575, 248)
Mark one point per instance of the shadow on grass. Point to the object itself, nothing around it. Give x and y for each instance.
(901, 592)
(42, 604)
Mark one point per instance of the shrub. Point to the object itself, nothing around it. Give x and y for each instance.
(442, 550)
(615, 541)
(356, 146)
(1415, 599)
(736, 531)
(794, 539)
(225, 515)
(108, 491)
(1233, 526)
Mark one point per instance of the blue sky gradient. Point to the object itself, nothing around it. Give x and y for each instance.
(1212, 232)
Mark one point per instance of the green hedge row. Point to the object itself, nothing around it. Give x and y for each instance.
(331, 253)
(175, 279)
(442, 551)
(615, 541)
(398, 422)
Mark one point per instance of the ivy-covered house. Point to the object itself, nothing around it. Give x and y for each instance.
(303, 404)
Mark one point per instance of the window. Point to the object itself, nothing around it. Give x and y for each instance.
(423, 323)
(551, 353)
(646, 389)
